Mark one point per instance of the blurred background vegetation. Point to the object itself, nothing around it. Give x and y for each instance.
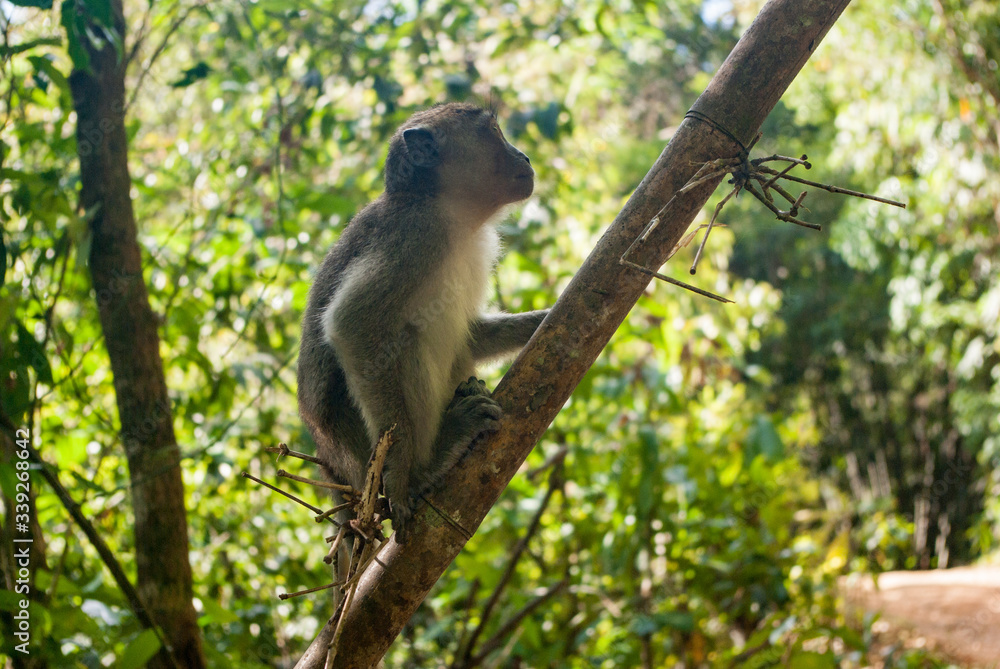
(723, 466)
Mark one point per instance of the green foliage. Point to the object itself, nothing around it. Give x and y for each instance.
(701, 513)
(41, 4)
(140, 650)
(893, 321)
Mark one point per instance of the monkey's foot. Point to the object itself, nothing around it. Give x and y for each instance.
(466, 419)
(471, 414)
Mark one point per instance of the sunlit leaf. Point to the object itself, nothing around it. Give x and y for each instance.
(140, 650)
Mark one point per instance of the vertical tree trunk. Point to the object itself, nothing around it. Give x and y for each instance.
(130, 334)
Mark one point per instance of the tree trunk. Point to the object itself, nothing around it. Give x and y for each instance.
(130, 334)
(729, 113)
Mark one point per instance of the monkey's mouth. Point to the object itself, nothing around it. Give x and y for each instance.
(526, 175)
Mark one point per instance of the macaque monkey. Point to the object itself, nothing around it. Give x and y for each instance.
(393, 328)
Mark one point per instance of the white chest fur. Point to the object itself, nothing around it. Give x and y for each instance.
(450, 300)
(432, 337)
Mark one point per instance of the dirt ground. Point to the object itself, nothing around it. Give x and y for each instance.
(955, 612)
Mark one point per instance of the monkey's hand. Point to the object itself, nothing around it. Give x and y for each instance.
(469, 388)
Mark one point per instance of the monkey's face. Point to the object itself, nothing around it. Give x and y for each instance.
(478, 165)
(512, 169)
(458, 154)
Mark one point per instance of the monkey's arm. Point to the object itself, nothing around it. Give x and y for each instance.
(497, 335)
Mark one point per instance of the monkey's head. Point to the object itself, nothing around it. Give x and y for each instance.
(456, 151)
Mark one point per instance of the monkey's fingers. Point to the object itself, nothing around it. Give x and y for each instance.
(472, 387)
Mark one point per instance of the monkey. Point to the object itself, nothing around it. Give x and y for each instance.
(393, 327)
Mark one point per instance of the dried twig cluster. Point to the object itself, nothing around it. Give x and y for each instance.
(755, 177)
(369, 511)
(473, 647)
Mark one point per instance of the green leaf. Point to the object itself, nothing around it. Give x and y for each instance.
(100, 10)
(731, 471)
(677, 620)
(88, 21)
(88, 483)
(32, 353)
(810, 660)
(214, 613)
(643, 625)
(40, 4)
(9, 50)
(547, 120)
(763, 440)
(10, 601)
(192, 74)
(8, 484)
(44, 67)
(328, 204)
(140, 650)
(73, 22)
(388, 91)
(3, 261)
(850, 637)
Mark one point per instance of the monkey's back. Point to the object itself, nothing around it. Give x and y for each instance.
(325, 405)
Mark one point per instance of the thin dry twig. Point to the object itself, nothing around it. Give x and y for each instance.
(360, 548)
(744, 173)
(282, 450)
(329, 512)
(837, 189)
(787, 216)
(290, 496)
(711, 224)
(319, 484)
(319, 588)
(367, 526)
(334, 545)
(663, 277)
(373, 480)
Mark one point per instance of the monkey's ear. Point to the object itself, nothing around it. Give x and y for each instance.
(421, 146)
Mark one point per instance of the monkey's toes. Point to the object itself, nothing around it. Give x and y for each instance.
(487, 414)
